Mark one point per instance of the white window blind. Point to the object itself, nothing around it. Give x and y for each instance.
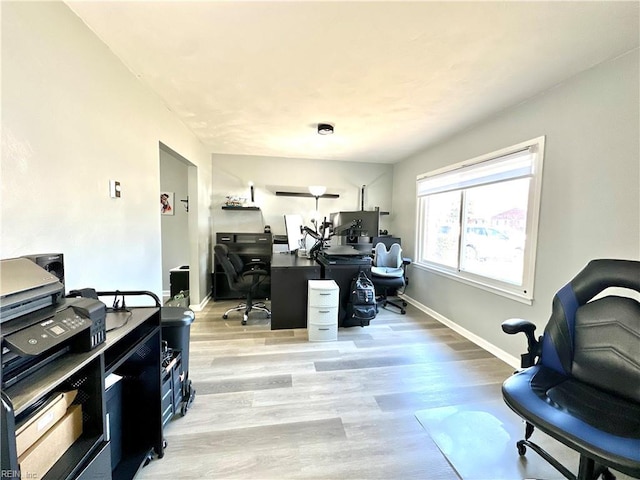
(507, 167)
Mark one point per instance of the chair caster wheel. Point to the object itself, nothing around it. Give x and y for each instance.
(404, 304)
(522, 449)
(244, 321)
(225, 316)
(268, 315)
(403, 311)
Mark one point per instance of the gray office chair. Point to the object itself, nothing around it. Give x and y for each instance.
(388, 274)
(251, 279)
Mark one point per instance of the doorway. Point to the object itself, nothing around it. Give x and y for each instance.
(178, 184)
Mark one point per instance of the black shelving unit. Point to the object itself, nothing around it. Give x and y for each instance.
(133, 352)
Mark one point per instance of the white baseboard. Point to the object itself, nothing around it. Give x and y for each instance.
(200, 306)
(481, 342)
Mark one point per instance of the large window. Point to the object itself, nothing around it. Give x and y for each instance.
(477, 220)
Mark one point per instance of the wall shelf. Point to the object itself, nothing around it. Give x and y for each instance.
(234, 207)
(305, 194)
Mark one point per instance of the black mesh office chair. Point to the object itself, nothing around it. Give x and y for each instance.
(388, 274)
(580, 381)
(250, 280)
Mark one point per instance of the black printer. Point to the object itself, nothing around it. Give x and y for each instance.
(38, 324)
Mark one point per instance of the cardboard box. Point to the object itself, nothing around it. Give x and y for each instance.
(40, 422)
(43, 454)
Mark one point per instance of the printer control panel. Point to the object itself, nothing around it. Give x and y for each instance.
(40, 337)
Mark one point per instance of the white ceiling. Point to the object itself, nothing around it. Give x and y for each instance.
(254, 78)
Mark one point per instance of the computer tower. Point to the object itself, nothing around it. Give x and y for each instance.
(51, 262)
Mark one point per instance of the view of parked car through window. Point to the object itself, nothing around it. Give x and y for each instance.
(493, 240)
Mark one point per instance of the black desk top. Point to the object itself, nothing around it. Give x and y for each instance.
(287, 260)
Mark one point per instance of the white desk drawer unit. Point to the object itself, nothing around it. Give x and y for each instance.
(322, 310)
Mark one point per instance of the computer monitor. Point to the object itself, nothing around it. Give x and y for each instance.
(357, 226)
(293, 227)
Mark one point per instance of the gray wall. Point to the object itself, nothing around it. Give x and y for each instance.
(74, 117)
(590, 193)
(232, 173)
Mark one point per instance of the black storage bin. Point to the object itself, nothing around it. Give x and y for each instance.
(176, 325)
(176, 328)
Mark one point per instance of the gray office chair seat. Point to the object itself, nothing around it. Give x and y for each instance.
(388, 274)
(392, 272)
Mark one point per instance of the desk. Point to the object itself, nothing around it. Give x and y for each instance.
(133, 352)
(289, 276)
(342, 273)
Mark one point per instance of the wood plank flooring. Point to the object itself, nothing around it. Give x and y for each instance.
(271, 405)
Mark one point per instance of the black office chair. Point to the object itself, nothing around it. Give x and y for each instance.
(580, 381)
(388, 274)
(251, 279)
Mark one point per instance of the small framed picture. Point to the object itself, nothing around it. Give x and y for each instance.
(166, 203)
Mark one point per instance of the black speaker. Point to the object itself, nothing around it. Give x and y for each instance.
(51, 262)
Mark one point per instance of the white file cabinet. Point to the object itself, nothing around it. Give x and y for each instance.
(322, 310)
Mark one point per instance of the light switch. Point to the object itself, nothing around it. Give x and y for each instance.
(114, 189)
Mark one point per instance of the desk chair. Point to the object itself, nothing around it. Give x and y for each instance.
(580, 381)
(249, 279)
(388, 274)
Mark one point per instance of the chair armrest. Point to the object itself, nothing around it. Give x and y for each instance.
(255, 272)
(517, 325)
(253, 265)
(406, 261)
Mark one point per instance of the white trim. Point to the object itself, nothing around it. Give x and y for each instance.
(481, 342)
(523, 293)
(199, 307)
(484, 283)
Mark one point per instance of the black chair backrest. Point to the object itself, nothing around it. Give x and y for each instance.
(236, 261)
(222, 255)
(597, 341)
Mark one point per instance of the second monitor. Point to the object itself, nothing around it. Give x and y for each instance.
(356, 227)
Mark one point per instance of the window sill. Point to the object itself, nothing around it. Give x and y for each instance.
(474, 282)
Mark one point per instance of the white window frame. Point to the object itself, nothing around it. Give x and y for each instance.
(523, 293)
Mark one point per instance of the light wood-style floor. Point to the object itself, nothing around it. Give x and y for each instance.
(271, 405)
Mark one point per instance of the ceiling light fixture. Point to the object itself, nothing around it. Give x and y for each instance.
(325, 129)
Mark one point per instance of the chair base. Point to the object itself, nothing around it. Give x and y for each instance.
(384, 301)
(261, 306)
(587, 470)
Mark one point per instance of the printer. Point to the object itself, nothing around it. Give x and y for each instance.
(38, 324)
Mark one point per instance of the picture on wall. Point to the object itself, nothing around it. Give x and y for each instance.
(166, 203)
